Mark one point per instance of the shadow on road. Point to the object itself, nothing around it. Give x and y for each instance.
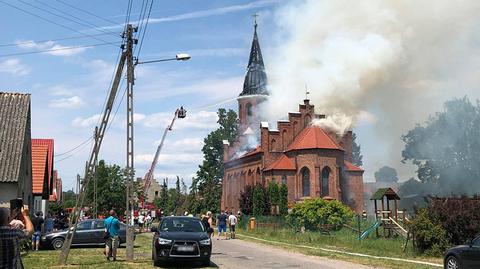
(185, 264)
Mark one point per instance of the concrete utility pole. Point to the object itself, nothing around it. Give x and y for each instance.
(90, 167)
(130, 166)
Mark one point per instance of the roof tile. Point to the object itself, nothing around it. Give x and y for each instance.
(282, 163)
(313, 137)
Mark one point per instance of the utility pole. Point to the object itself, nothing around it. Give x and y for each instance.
(130, 166)
(90, 167)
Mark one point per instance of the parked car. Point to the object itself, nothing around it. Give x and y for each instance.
(89, 233)
(181, 239)
(464, 256)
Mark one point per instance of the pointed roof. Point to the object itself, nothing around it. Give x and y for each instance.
(39, 167)
(50, 145)
(313, 137)
(282, 163)
(256, 78)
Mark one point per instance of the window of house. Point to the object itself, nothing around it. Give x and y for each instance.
(305, 182)
(272, 145)
(284, 179)
(324, 181)
(249, 109)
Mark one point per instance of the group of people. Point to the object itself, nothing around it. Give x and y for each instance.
(224, 219)
(144, 221)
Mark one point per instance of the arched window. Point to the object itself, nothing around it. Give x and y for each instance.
(273, 145)
(249, 109)
(307, 120)
(294, 128)
(324, 181)
(305, 182)
(284, 179)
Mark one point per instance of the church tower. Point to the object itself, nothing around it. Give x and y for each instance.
(254, 88)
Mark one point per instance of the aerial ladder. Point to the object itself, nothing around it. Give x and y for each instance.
(179, 113)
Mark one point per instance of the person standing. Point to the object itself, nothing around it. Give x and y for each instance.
(222, 224)
(112, 225)
(10, 239)
(37, 225)
(141, 221)
(233, 221)
(148, 221)
(48, 224)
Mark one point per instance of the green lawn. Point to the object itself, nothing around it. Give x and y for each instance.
(344, 240)
(93, 257)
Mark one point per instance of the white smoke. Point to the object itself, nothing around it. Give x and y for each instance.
(398, 60)
(338, 123)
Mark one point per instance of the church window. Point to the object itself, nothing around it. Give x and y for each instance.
(294, 128)
(272, 145)
(249, 109)
(307, 120)
(305, 182)
(284, 140)
(284, 179)
(325, 177)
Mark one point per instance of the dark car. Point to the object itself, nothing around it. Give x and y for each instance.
(89, 233)
(464, 256)
(181, 239)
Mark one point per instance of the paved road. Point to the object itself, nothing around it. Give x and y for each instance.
(233, 254)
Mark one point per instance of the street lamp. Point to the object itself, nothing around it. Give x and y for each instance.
(178, 57)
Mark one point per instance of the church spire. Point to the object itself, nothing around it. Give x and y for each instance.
(256, 78)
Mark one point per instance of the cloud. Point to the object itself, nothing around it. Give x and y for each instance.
(170, 159)
(86, 122)
(54, 48)
(71, 102)
(185, 145)
(194, 120)
(59, 90)
(202, 13)
(14, 67)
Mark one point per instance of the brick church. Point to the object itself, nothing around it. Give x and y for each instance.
(313, 162)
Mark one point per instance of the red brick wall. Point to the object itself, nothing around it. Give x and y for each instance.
(353, 191)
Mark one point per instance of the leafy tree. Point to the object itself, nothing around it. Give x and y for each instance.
(111, 193)
(273, 193)
(259, 202)
(356, 151)
(207, 188)
(386, 174)
(246, 200)
(162, 201)
(283, 200)
(430, 236)
(314, 213)
(445, 149)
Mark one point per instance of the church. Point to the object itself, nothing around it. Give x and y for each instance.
(311, 161)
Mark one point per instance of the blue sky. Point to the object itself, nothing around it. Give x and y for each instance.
(68, 87)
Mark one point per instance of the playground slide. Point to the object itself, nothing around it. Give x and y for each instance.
(370, 229)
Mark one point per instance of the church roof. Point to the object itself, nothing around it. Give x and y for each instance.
(282, 163)
(256, 78)
(313, 138)
(351, 167)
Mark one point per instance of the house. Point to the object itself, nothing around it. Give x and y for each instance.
(42, 173)
(15, 148)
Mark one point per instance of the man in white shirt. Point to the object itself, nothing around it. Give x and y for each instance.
(141, 221)
(232, 220)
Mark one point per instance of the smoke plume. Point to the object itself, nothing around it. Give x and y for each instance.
(397, 60)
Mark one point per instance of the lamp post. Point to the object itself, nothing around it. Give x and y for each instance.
(178, 57)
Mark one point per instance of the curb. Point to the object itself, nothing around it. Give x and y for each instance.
(345, 252)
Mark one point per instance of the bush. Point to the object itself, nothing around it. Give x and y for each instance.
(314, 213)
(283, 200)
(246, 200)
(273, 193)
(259, 203)
(430, 236)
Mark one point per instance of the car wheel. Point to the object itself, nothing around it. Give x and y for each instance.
(452, 263)
(57, 243)
(206, 262)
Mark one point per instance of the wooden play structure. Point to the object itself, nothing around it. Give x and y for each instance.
(391, 219)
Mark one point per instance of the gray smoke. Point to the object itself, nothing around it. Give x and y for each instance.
(396, 61)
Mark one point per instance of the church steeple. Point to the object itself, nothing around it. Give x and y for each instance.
(256, 78)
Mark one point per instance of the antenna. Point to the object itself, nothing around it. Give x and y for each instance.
(306, 91)
(255, 16)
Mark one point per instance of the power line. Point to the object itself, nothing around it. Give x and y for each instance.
(48, 40)
(57, 49)
(78, 20)
(74, 148)
(73, 154)
(87, 12)
(50, 21)
(143, 35)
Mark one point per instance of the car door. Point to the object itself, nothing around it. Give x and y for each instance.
(98, 230)
(83, 233)
(472, 254)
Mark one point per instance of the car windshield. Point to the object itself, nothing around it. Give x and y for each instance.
(182, 225)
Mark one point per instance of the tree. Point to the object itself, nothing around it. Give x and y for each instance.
(445, 149)
(246, 200)
(273, 193)
(111, 193)
(162, 201)
(258, 200)
(386, 174)
(283, 200)
(356, 151)
(207, 188)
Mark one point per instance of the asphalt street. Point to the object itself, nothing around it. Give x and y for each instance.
(243, 254)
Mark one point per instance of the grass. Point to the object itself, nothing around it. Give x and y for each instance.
(93, 257)
(345, 240)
